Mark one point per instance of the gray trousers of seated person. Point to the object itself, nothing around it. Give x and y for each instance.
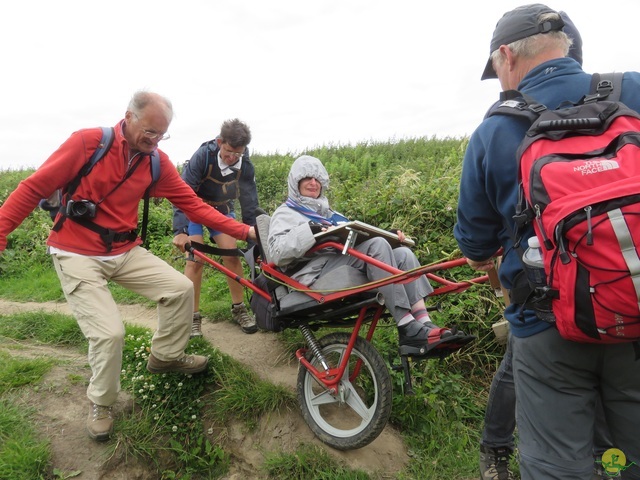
(398, 298)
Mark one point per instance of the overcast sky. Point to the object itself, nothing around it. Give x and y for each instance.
(300, 73)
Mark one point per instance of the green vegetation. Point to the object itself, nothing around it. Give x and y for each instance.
(411, 185)
(22, 453)
(309, 463)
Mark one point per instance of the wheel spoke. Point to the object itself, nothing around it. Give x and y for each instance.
(355, 402)
(323, 398)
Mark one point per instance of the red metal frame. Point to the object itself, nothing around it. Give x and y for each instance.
(331, 377)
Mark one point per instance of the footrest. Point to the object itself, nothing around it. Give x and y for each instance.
(438, 348)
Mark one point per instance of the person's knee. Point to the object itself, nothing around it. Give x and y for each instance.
(180, 291)
(184, 285)
(231, 262)
(109, 338)
(193, 268)
(406, 258)
(379, 247)
(379, 241)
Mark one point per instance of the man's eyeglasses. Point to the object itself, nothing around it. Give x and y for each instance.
(150, 134)
(153, 135)
(236, 155)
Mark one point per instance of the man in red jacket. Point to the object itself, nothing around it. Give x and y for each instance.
(89, 250)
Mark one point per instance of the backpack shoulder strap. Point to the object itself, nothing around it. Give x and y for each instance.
(211, 148)
(605, 86)
(103, 147)
(155, 167)
(155, 175)
(106, 141)
(517, 104)
(101, 150)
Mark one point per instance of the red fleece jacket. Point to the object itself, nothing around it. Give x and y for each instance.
(118, 210)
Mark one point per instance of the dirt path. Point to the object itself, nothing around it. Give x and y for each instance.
(64, 406)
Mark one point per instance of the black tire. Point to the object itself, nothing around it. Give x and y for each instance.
(333, 419)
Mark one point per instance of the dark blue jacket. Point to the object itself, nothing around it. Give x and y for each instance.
(202, 173)
(488, 185)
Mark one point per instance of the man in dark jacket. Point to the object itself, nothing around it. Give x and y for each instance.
(220, 172)
(557, 382)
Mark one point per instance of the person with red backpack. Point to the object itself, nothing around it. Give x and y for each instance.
(497, 442)
(94, 241)
(557, 381)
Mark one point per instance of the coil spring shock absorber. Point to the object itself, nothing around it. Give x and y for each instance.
(313, 345)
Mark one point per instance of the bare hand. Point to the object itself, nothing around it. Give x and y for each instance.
(181, 240)
(252, 234)
(481, 265)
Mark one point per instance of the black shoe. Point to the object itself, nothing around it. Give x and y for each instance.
(413, 333)
(428, 339)
(413, 338)
(494, 463)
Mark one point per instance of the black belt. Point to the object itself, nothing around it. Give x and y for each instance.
(108, 236)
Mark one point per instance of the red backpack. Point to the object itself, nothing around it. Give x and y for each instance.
(580, 187)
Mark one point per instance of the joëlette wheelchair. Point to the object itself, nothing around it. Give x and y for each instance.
(344, 386)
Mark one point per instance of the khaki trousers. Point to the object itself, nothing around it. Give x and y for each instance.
(84, 282)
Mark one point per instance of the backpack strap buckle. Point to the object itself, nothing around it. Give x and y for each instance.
(537, 108)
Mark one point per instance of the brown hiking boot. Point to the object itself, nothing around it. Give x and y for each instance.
(186, 364)
(241, 317)
(494, 463)
(196, 326)
(100, 423)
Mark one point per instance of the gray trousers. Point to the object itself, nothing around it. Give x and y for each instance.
(500, 414)
(557, 387)
(398, 298)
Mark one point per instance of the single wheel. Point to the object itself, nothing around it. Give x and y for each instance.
(358, 413)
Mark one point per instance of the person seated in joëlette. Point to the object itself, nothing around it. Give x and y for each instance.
(291, 235)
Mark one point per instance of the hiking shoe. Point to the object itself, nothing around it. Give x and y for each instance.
(100, 423)
(494, 463)
(196, 326)
(241, 317)
(186, 364)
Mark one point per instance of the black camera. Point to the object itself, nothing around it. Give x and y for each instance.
(81, 209)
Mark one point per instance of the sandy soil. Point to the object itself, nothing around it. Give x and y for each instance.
(63, 407)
